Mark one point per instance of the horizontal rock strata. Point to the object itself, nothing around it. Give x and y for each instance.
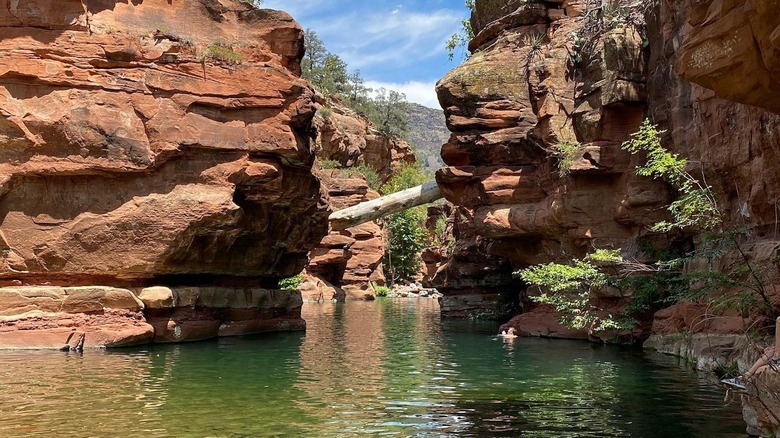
(154, 142)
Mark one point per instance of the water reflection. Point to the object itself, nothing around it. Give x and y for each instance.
(381, 368)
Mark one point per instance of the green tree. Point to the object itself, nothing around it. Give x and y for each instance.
(314, 56)
(571, 287)
(406, 230)
(389, 112)
(329, 74)
(332, 77)
(460, 40)
(358, 92)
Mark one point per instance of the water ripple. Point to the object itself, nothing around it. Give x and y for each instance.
(388, 368)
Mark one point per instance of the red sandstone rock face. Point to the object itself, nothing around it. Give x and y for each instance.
(737, 144)
(509, 105)
(130, 151)
(55, 317)
(345, 263)
(153, 142)
(351, 140)
(733, 48)
(196, 313)
(513, 101)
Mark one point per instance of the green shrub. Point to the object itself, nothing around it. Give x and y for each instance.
(569, 287)
(566, 152)
(330, 164)
(381, 291)
(325, 112)
(291, 283)
(368, 172)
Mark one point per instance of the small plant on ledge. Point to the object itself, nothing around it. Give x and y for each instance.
(221, 53)
(291, 283)
(566, 151)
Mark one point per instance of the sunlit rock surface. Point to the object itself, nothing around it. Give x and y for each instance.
(154, 142)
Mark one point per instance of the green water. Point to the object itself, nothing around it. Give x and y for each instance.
(364, 368)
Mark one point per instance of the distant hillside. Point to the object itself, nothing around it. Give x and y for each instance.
(427, 132)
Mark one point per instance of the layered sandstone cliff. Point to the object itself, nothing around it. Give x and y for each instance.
(526, 90)
(346, 264)
(350, 139)
(543, 74)
(154, 143)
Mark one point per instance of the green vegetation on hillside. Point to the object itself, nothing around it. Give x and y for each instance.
(330, 75)
(427, 132)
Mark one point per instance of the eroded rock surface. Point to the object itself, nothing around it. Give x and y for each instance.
(71, 317)
(525, 91)
(195, 313)
(349, 139)
(346, 263)
(154, 142)
(706, 72)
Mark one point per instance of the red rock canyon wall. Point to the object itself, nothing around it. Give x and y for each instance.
(154, 143)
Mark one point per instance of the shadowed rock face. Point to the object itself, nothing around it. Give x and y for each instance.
(733, 48)
(345, 264)
(528, 87)
(154, 143)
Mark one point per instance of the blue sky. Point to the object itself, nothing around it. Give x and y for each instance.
(398, 45)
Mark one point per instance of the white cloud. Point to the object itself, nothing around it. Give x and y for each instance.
(420, 92)
(400, 38)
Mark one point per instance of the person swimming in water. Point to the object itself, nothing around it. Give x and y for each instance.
(771, 357)
(508, 334)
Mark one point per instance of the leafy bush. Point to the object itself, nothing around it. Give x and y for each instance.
(565, 151)
(330, 164)
(696, 206)
(325, 112)
(368, 172)
(568, 288)
(291, 283)
(408, 176)
(381, 291)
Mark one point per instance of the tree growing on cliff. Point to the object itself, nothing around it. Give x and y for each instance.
(572, 288)
(389, 112)
(459, 41)
(330, 75)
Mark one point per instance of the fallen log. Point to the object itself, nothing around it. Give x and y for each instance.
(384, 206)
